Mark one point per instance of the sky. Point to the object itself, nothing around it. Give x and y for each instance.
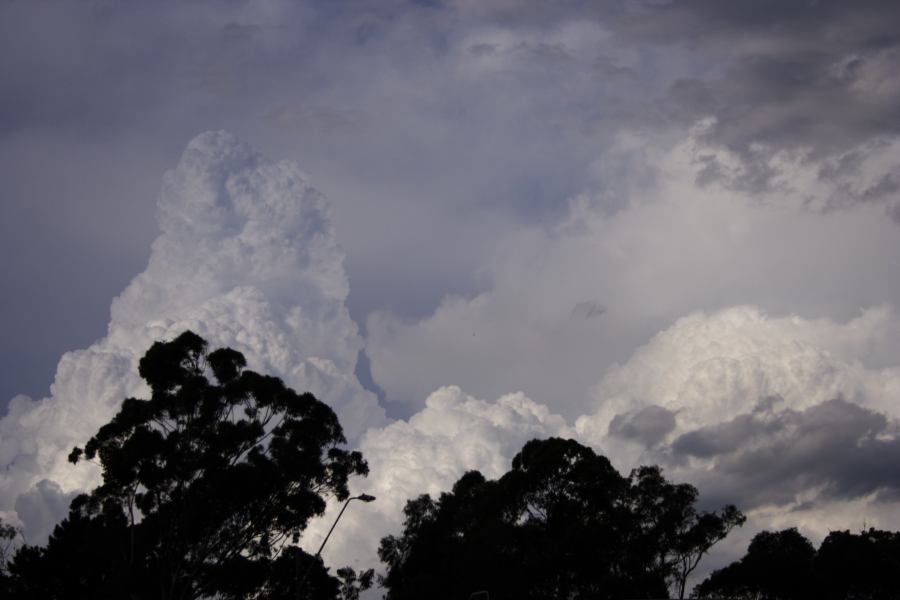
(668, 229)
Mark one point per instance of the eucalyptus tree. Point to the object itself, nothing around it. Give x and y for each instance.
(207, 486)
(562, 523)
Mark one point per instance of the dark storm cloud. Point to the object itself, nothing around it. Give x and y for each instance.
(723, 438)
(647, 425)
(836, 449)
(819, 75)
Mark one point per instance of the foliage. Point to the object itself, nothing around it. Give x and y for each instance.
(205, 486)
(777, 565)
(8, 535)
(563, 523)
(863, 566)
(353, 583)
(784, 565)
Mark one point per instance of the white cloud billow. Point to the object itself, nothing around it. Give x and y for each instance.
(454, 433)
(247, 258)
(708, 369)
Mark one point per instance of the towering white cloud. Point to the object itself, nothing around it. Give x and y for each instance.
(247, 258)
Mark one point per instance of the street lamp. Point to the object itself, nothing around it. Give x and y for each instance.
(301, 581)
(363, 497)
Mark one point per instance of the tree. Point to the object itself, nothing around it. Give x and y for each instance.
(778, 566)
(206, 484)
(8, 535)
(783, 565)
(353, 583)
(667, 525)
(562, 523)
(862, 566)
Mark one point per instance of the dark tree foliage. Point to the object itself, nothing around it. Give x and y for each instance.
(670, 534)
(8, 537)
(205, 486)
(778, 566)
(353, 583)
(784, 566)
(563, 523)
(864, 566)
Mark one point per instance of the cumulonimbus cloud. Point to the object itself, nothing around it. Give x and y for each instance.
(247, 258)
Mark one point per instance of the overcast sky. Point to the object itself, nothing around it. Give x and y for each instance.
(670, 229)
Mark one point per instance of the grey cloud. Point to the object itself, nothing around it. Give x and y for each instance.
(789, 102)
(589, 309)
(836, 449)
(40, 509)
(648, 425)
(722, 438)
(302, 118)
(702, 20)
(729, 436)
(792, 74)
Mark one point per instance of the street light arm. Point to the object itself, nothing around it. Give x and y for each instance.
(301, 580)
(363, 497)
(333, 525)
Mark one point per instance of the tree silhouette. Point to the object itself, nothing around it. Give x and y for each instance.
(8, 535)
(778, 566)
(562, 523)
(668, 527)
(205, 486)
(862, 566)
(784, 566)
(353, 583)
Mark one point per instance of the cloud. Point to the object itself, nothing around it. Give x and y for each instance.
(40, 508)
(677, 244)
(453, 433)
(247, 258)
(836, 449)
(484, 117)
(786, 417)
(712, 368)
(647, 425)
(811, 76)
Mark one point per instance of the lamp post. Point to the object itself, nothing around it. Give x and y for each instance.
(363, 497)
(301, 581)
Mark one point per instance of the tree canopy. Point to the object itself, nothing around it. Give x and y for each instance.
(8, 535)
(206, 484)
(784, 565)
(562, 523)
